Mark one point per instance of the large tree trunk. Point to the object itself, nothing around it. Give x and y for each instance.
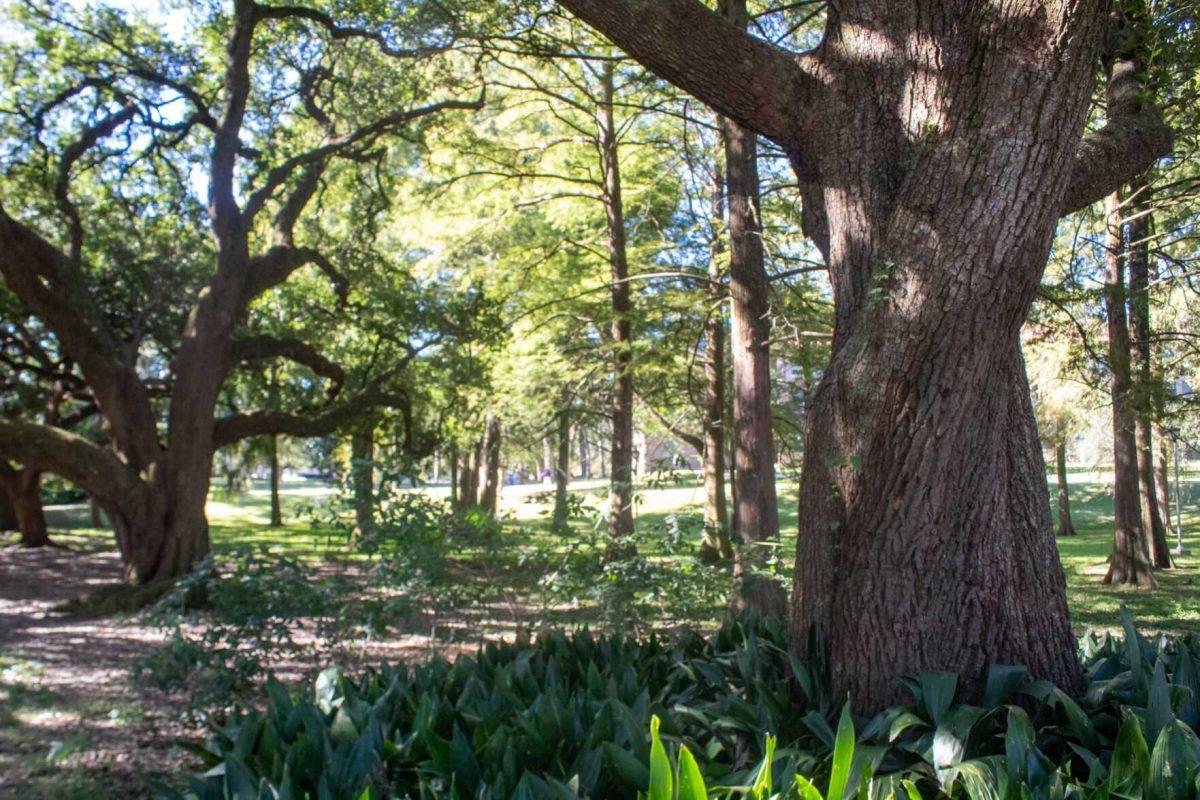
(1065, 526)
(362, 478)
(923, 497)
(1142, 396)
(717, 544)
(276, 508)
(1130, 559)
(8, 514)
(22, 489)
(163, 532)
(620, 519)
(491, 465)
(757, 511)
(562, 469)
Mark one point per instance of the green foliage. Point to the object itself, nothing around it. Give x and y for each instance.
(567, 717)
(654, 574)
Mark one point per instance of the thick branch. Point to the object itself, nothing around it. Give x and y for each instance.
(1109, 158)
(43, 447)
(275, 266)
(744, 78)
(257, 348)
(1132, 139)
(236, 427)
(339, 32)
(38, 275)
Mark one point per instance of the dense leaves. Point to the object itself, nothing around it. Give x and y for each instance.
(567, 716)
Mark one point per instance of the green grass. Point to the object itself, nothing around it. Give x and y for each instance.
(1173, 607)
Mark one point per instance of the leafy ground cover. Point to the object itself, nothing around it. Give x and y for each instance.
(92, 707)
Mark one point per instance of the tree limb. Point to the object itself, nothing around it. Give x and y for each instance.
(44, 447)
(37, 273)
(262, 346)
(236, 427)
(275, 265)
(365, 134)
(753, 82)
(1133, 137)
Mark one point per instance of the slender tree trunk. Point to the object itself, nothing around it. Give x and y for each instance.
(562, 470)
(491, 465)
(621, 496)
(757, 512)
(1130, 559)
(585, 457)
(276, 508)
(717, 544)
(1065, 526)
(362, 476)
(1138, 248)
(469, 493)
(1162, 485)
(452, 457)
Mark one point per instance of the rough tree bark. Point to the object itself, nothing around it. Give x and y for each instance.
(936, 145)
(562, 468)
(276, 508)
(452, 458)
(22, 488)
(8, 514)
(468, 495)
(620, 517)
(362, 479)
(1142, 395)
(585, 456)
(490, 467)
(1065, 526)
(717, 544)
(1130, 559)
(750, 325)
(1162, 486)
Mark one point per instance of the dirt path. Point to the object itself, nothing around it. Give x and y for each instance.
(72, 723)
(75, 723)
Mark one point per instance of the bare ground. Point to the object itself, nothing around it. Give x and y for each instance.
(74, 722)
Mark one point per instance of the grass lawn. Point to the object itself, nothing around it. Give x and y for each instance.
(1174, 607)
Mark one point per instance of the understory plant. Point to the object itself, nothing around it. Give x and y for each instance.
(568, 716)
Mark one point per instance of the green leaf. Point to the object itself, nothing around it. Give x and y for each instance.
(691, 782)
(628, 768)
(661, 787)
(1002, 681)
(1133, 654)
(1019, 740)
(1183, 673)
(843, 755)
(937, 693)
(1173, 764)
(1131, 757)
(1158, 706)
(762, 784)
(806, 790)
